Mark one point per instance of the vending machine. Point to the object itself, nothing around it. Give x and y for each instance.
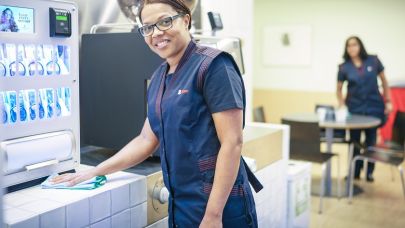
(39, 92)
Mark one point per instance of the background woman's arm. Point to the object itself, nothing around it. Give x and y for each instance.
(339, 94)
(386, 93)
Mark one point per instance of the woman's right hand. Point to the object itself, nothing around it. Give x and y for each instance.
(74, 178)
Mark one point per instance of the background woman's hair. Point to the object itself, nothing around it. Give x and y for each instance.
(178, 5)
(362, 54)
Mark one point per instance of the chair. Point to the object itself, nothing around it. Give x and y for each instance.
(305, 146)
(258, 114)
(391, 153)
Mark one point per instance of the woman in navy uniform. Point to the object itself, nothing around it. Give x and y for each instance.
(362, 71)
(196, 102)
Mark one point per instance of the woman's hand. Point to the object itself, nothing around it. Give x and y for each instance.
(74, 178)
(211, 222)
(388, 108)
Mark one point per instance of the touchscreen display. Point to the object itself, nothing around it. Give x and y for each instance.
(16, 19)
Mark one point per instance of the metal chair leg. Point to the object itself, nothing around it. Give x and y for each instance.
(351, 178)
(322, 193)
(401, 171)
(349, 158)
(349, 167)
(339, 181)
(365, 167)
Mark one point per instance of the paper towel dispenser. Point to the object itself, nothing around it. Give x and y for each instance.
(37, 152)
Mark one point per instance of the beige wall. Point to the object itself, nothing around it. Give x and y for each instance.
(277, 103)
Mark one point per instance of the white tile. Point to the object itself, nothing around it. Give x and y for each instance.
(78, 214)
(139, 216)
(15, 215)
(106, 223)
(30, 223)
(100, 206)
(121, 178)
(53, 219)
(122, 219)
(119, 199)
(51, 213)
(59, 195)
(16, 199)
(163, 223)
(138, 192)
(41, 206)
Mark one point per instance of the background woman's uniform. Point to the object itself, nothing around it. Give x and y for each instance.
(363, 98)
(180, 113)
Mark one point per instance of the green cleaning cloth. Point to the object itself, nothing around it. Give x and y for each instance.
(93, 183)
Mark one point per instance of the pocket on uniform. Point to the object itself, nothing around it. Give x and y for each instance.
(243, 221)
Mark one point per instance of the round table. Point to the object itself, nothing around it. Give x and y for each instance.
(352, 122)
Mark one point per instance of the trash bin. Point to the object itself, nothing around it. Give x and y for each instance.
(299, 194)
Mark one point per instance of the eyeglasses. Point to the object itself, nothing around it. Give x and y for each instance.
(163, 25)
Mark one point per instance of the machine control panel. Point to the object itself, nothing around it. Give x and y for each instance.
(60, 23)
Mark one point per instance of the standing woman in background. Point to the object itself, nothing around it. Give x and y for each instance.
(362, 71)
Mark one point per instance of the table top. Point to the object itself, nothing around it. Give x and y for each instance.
(353, 122)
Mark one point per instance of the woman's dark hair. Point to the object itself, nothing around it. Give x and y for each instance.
(363, 53)
(178, 5)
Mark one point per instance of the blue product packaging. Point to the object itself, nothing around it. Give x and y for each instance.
(3, 112)
(11, 106)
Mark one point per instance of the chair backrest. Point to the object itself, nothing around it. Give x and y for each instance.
(258, 114)
(398, 129)
(304, 138)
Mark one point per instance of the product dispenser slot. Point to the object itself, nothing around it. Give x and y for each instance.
(41, 165)
(34, 152)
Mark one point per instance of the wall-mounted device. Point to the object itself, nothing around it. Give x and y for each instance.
(232, 45)
(39, 94)
(215, 21)
(60, 23)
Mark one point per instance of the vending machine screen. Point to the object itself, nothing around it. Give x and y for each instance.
(16, 19)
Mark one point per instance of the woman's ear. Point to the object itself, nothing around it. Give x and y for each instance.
(187, 20)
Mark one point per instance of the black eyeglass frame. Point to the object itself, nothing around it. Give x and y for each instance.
(156, 24)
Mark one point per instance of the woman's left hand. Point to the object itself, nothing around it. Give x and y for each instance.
(388, 108)
(211, 222)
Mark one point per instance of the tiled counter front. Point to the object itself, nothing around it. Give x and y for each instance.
(121, 202)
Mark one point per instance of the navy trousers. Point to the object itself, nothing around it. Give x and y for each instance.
(371, 139)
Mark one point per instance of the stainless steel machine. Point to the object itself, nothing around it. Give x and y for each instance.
(39, 97)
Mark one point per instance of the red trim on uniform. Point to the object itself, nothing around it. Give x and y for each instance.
(207, 163)
(236, 190)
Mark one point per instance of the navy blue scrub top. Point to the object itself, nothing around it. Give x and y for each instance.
(363, 95)
(180, 115)
(222, 87)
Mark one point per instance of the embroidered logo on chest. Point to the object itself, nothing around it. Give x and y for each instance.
(182, 91)
(369, 68)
